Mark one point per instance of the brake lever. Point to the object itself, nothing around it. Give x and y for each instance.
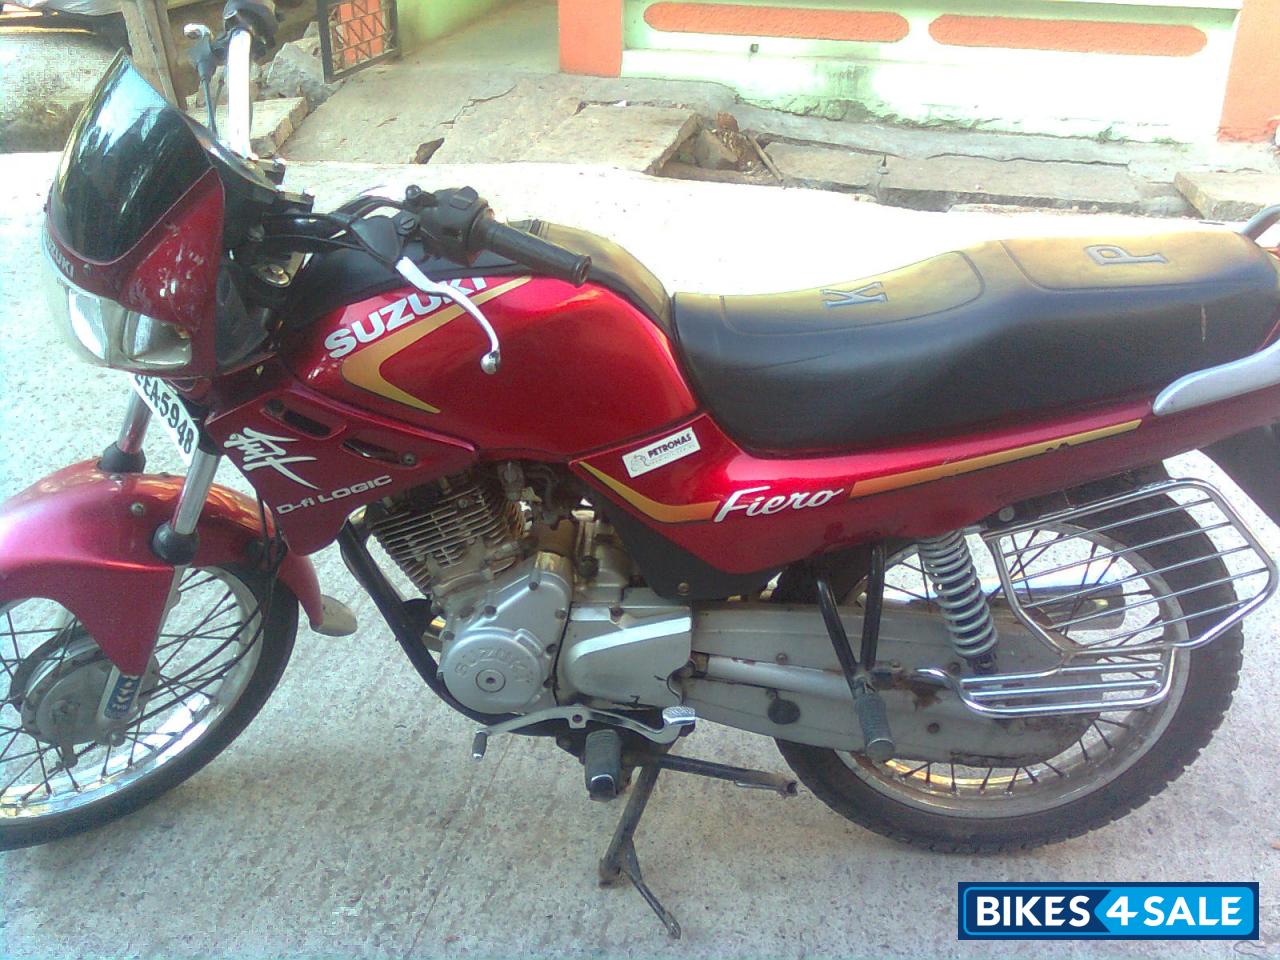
(490, 362)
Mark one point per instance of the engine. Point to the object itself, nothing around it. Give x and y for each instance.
(522, 631)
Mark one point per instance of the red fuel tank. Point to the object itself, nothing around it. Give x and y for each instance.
(582, 368)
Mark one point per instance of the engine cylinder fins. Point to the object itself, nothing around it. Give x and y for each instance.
(434, 531)
(949, 566)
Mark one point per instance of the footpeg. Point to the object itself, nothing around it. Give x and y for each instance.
(602, 764)
(676, 721)
(337, 619)
(877, 738)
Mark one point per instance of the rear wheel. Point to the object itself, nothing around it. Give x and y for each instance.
(1122, 758)
(221, 651)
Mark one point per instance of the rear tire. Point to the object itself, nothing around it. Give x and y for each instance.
(1212, 673)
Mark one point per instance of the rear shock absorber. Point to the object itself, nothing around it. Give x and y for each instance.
(949, 567)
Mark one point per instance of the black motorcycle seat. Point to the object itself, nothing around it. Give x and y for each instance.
(337, 277)
(996, 332)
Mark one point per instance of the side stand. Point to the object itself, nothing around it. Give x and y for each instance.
(620, 859)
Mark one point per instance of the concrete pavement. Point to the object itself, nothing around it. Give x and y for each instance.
(350, 821)
(492, 93)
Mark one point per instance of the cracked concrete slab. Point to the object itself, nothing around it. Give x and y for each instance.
(938, 183)
(380, 115)
(550, 119)
(492, 118)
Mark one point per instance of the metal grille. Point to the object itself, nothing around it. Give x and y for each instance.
(1117, 632)
(355, 34)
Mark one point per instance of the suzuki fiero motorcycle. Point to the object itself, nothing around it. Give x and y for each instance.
(915, 527)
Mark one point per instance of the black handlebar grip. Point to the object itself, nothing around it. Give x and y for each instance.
(533, 252)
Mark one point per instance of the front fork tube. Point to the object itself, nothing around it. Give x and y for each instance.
(176, 541)
(125, 455)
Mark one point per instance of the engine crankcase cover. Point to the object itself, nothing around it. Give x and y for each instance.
(502, 652)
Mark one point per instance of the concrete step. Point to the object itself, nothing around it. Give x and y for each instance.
(1229, 196)
(274, 121)
(939, 183)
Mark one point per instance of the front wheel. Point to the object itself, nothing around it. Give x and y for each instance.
(222, 649)
(1122, 758)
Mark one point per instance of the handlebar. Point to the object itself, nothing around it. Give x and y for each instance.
(455, 224)
(531, 251)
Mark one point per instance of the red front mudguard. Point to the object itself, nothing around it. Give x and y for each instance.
(82, 538)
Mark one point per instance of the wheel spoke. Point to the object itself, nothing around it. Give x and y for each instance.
(986, 778)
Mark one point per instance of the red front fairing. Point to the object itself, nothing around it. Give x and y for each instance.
(170, 274)
(315, 460)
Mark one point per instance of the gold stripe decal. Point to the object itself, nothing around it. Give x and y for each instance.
(691, 512)
(911, 478)
(364, 368)
(662, 512)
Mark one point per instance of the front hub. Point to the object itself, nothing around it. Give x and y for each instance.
(58, 688)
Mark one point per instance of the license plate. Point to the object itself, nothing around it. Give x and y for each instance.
(171, 411)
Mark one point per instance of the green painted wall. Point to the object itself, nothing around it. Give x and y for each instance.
(921, 81)
(422, 21)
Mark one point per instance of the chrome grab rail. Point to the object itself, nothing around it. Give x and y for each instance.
(1255, 372)
(1261, 222)
(1227, 380)
(1133, 667)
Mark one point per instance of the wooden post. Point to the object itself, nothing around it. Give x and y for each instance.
(151, 38)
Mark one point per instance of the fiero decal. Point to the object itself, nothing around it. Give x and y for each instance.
(763, 502)
(393, 316)
(750, 501)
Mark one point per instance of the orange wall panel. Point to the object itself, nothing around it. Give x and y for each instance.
(1076, 36)
(806, 23)
(591, 37)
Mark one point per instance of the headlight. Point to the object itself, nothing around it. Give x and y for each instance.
(110, 335)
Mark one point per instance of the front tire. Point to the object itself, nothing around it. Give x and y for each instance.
(881, 798)
(192, 714)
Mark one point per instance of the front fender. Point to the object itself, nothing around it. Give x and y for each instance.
(82, 538)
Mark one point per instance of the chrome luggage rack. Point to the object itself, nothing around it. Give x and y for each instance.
(1115, 638)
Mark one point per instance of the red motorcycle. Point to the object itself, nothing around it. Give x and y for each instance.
(915, 527)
